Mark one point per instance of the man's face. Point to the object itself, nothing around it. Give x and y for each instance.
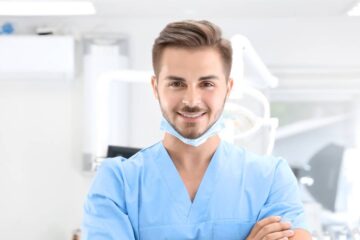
(191, 88)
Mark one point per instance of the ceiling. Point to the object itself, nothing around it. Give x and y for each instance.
(224, 8)
(221, 8)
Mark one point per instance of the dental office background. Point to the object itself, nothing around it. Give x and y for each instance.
(73, 83)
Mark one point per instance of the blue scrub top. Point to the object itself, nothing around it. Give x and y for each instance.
(144, 197)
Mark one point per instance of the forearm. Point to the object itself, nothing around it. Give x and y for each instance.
(301, 234)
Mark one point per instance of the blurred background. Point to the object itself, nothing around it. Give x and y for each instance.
(75, 79)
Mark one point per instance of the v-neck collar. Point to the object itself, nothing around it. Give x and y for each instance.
(191, 211)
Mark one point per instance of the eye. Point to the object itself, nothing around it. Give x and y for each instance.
(176, 84)
(207, 84)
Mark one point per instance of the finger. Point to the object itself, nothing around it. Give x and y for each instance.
(272, 228)
(280, 235)
(262, 223)
(266, 221)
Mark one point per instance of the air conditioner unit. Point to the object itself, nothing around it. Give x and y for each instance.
(37, 57)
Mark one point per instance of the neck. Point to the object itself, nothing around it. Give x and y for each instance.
(187, 157)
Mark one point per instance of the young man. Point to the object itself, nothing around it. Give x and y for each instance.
(193, 185)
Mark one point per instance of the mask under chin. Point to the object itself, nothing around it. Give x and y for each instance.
(198, 140)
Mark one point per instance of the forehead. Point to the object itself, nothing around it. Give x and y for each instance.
(185, 61)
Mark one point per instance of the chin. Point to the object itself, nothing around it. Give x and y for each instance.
(191, 135)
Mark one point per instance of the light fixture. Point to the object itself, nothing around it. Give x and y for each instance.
(42, 8)
(248, 66)
(354, 11)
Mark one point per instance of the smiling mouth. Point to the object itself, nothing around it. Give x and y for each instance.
(191, 115)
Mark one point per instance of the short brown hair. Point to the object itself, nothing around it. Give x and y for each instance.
(192, 34)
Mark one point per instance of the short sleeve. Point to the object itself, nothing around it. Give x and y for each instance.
(284, 197)
(105, 215)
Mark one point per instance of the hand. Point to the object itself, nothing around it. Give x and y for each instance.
(271, 228)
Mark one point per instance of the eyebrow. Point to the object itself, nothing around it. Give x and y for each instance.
(175, 78)
(210, 77)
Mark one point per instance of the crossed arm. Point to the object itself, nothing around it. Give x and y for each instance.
(271, 228)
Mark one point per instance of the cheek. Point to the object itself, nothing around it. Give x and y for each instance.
(215, 101)
(168, 100)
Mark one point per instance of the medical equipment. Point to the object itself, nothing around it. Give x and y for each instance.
(248, 68)
(244, 125)
(126, 152)
(242, 122)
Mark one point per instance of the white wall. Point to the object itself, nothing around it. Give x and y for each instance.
(42, 185)
(295, 42)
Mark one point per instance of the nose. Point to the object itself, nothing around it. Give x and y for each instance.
(192, 97)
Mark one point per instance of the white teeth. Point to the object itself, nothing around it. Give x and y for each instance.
(191, 115)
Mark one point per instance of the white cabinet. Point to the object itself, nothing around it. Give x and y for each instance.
(27, 57)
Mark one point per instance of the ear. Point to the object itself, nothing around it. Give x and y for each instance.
(154, 86)
(229, 86)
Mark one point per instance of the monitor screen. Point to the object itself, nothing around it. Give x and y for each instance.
(126, 152)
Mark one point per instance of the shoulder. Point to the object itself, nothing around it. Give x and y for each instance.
(110, 168)
(249, 158)
(143, 157)
(136, 161)
(133, 168)
(118, 172)
(259, 165)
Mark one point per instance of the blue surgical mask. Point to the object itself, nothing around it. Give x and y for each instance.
(213, 130)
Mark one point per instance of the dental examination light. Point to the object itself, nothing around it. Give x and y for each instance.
(249, 74)
(248, 68)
